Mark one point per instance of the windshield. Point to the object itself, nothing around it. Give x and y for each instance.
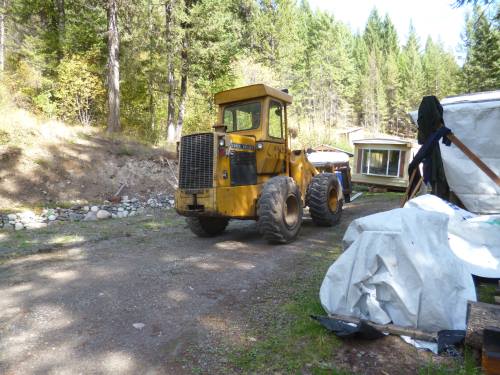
(243, 116)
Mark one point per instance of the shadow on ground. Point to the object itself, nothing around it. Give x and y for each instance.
(139, 295)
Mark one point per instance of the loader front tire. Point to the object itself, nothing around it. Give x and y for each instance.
(279, 210)
(324, 206)
(205, 226)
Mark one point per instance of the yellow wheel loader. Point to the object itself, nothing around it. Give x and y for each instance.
(245, 169)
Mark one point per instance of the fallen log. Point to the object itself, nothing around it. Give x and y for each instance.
(479, 316)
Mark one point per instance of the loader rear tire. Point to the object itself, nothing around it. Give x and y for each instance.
(324, 206)
(279, 210)
(205, 226)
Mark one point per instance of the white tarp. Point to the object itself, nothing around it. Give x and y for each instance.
(399, 268)
(325, 157)
(474, 239)
(475, 120)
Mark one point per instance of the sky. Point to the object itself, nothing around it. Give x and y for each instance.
(437, 18)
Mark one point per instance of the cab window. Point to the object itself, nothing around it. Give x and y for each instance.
(244, 116)
(275, 120)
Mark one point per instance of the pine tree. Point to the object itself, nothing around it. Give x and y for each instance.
(441, 72)
(482, 65)
(412, 78)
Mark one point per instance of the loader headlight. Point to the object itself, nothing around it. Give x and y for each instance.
(222, 142)
(259, 146)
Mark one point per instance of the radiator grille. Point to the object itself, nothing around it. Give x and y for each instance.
(196, 161)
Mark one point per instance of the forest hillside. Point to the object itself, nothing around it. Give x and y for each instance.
(150, 69)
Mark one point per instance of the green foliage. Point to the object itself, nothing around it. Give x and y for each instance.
(481, 70)
(79, 90)
(57, 56)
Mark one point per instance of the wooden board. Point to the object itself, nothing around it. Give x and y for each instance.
(392, 329)
(479, 316)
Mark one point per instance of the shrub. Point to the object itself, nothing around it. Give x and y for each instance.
(79, 90)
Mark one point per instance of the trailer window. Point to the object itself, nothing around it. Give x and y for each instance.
(381, 162)
(243, 116)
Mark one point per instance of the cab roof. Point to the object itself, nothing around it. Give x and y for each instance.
(251, 92)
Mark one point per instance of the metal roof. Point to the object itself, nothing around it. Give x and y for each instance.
(472, 98)
(383, 141)
(251, 92)
(331, 148)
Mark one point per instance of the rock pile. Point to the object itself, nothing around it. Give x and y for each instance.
(127, 207)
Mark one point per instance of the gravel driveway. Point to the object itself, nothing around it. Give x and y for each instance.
(135, 300)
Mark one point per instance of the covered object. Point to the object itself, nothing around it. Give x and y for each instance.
(475, 120)
(399, 268)
(474, 239)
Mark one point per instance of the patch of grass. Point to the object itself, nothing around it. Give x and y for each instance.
(65, 239)
(486, 292)
(157, 225)
(42, 162)
(388, 194)
(294, 342)
(152, 225)
(4, 137)
(125, 151)
(356, 187)
(467, 367)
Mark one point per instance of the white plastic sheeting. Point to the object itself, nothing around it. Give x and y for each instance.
(399, 268)
(474, 239)
(325, 157)
(475, 120)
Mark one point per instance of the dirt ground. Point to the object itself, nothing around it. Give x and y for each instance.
(147, 297)
(57, 164)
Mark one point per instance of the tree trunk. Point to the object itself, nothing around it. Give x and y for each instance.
(184, 79)
(2, 34)
(113, 69)
(150, 72)
(61, 26)
(170, 39)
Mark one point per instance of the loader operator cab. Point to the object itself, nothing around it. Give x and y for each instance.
(244, 169)
(263, 118)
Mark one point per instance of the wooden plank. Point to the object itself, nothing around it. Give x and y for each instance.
(479, 316)
(402, 163)
(358, 160)
(392, 329)
(490, 359)
(405, 197)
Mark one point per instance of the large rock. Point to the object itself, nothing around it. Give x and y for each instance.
(90, 216)
(73, 216)
(27, 215)
(122, 214)
(18, 226)
(103, 214)
(12, 217)
(94, 209)
(36, 225)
